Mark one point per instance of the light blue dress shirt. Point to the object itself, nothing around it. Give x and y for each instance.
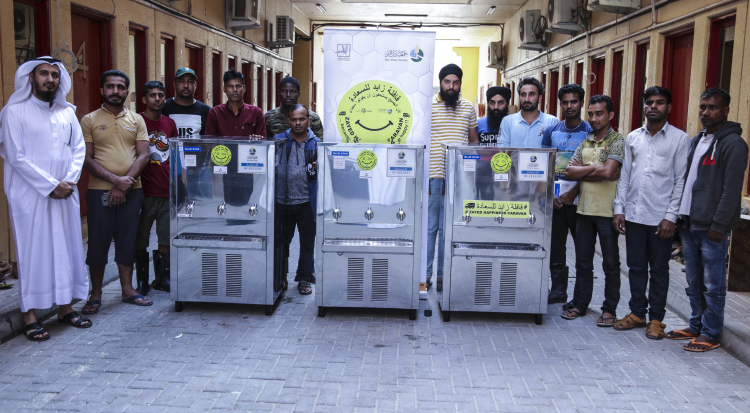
(516, 133)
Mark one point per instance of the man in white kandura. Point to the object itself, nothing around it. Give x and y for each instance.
(43, 148)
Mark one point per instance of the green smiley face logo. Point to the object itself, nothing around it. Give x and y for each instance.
(221, 155)
(367, 160)
(501, 163)
(374, 112)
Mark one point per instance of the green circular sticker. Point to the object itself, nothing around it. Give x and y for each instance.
(374, 112)
(221, 155)
(367, 160)
(501, 163)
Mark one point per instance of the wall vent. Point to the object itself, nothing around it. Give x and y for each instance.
(210, 274)
(355, 279)
(379, 291)
(234, 275)
(508, 278)
(483, 284)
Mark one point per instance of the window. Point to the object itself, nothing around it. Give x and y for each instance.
(279, 76)
(167, 69)
(720, 51)
(596, 78)
(554, 79)
(247, 71)
(218, 92)
(639, 85)
(579, 73)
(615, 90)
(269, 89)
(678, 62)
(259, 78)
(195, 62)
(566, 75)
(541, 98)
(137, 66)
(31, 26)
(232, 63)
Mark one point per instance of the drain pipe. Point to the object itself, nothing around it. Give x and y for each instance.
(653, 13)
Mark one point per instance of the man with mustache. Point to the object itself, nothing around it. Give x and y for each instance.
(647, 206)
(710, 210)
(595, 164)
(155, 190)
(526, 128)
(277, 120)
(42, 145)
(117, 150)
(565, 137)
(188, 113)
(497, 109)
(454, 122)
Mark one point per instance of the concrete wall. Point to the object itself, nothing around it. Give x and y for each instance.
(470, 66)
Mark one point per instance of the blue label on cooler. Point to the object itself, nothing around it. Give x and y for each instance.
(340, 153)
(192, 149)
(400, 169)
(471, 156)
(557, 189)
(252, 165)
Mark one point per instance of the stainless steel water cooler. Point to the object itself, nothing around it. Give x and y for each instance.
(369, 226)
(498, 221)
(222, 222)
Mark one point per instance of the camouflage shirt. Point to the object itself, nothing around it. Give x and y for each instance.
(277, 122)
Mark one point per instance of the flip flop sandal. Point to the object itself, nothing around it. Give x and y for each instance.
(606, 321)
(629, 322)
(5, 285)
(79, 323)
(655, 330)
(683, 334)
(34, 329)
(91, 304)
(573, 314)
(304, 288)
(704, 346)
(131, 300)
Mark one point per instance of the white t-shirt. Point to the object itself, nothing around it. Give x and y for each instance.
(687, 194)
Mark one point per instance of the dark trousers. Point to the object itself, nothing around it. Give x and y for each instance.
(107, 223)
(298, 216)
(563, 220)
(646, 250)
(587, 228)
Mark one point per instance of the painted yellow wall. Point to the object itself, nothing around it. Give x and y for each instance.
(470, 66)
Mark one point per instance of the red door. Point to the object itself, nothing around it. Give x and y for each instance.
(616, 86)
(247, 71)
(597, 77)
(195, 62)
(554, 79)
(678, 60)
(88, 35)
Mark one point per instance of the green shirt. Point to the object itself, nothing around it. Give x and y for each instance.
(597, 198)
(277, 122)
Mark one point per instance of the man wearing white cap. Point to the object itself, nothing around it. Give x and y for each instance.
(43, 148)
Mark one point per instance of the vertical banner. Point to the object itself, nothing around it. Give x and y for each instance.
(378, 89)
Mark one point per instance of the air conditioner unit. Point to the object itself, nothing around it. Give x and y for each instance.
(22, 22)
(531, 30)
(243, 14)
(563, 16)
(282, 35)
(496, 56)
(614, 6)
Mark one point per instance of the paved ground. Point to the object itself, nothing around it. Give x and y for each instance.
(225, 357)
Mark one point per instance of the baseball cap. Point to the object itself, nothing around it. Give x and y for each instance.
(184, 71)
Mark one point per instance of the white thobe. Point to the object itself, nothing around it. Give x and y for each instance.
(43, 146)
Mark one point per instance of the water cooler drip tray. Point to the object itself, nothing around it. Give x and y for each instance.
(498, 249)
(369, 245)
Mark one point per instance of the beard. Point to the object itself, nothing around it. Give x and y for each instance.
(114, 100)
(494, 117)
(450, 99)
(44, 95)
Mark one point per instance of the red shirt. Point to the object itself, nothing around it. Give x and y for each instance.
(155, 175)
(248, 121)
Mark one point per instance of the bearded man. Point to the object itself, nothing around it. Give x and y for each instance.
(44, 150)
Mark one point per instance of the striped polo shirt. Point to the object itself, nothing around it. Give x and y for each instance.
(450, 126)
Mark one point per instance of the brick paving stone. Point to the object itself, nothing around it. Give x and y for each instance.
(214, 357)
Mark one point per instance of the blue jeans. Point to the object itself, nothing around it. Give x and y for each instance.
(706, 272)
(587, 229)
(435, 208)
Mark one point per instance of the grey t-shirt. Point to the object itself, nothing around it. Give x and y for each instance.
(291, 179)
